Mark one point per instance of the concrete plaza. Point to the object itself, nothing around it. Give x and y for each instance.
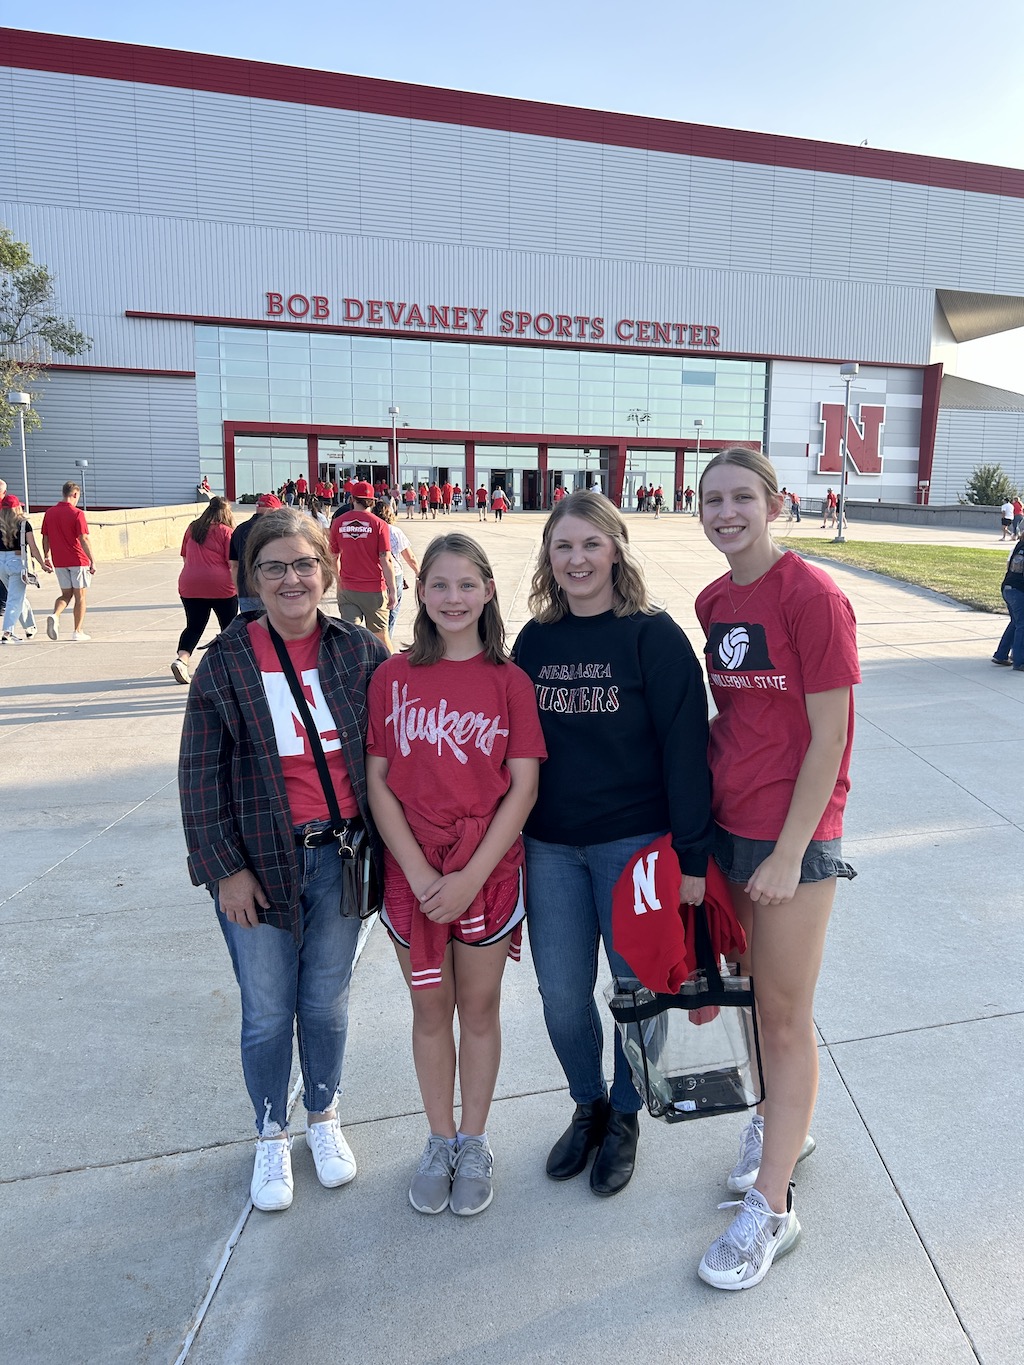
(124, 1176)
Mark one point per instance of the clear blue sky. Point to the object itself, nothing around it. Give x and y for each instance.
(941, 78)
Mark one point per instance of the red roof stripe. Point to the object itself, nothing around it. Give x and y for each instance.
(295, 85)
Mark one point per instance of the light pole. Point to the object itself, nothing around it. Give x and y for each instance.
(393, 413)
(83, 465)
(22, 401)
(698, 425)
(847, 373)
(636, 415)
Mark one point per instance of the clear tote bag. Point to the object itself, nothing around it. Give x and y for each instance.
(695, 1053)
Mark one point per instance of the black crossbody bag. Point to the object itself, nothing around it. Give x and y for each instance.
(361, 892)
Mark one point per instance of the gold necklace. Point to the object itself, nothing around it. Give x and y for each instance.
(752, 586)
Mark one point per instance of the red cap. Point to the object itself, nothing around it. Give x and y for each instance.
(9, 500)
(362, 490)
(268, 500)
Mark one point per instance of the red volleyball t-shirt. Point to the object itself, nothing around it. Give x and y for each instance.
(768, 646)
(306, 799)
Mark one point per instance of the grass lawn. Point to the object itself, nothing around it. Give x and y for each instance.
(960, 571)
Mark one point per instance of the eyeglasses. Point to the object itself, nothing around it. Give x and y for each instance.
(305, 568)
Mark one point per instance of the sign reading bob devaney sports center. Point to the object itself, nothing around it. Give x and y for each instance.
(455, 318)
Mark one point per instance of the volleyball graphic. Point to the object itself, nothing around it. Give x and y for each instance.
(733, 646)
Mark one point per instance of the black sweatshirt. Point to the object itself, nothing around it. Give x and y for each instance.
(624, 713)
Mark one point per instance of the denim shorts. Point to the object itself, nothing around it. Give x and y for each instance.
(738, 858)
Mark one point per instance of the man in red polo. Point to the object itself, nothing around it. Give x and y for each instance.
(66, 543)
(366, 579)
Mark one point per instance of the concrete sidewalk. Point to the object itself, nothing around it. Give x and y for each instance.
(124, 1178)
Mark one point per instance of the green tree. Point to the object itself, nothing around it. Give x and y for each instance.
(989, 486)
(31, 331)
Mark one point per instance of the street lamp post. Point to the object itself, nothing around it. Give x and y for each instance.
(698, 426)
(22, 401)
(847, 373)
(393, 413)
(83, 465)
(636, 415)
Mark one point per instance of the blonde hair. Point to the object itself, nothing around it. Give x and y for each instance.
(629, 588)
(751, 460)
(10, 527)
(427, 646)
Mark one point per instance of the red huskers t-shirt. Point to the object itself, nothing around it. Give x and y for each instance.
(306, 798)
(767, 647)
(447, 731)
(359, 539)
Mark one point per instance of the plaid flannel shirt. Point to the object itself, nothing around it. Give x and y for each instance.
(234, 805)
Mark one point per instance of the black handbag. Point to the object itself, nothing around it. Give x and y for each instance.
(361, 890)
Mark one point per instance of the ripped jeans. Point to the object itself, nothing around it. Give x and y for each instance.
(284, 983)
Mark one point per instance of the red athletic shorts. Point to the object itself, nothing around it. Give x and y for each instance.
(503, 913)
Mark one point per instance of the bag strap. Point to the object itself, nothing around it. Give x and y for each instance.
(707, 959)
(316, 747)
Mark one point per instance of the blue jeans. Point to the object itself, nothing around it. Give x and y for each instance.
(1013, 636)
(10, 575)
(284, 982)
(569, 912)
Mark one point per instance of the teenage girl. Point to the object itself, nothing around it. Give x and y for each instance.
(782, 660)
(454, 750)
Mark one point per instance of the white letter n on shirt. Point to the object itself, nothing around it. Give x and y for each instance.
(289, 731)
(645, 896)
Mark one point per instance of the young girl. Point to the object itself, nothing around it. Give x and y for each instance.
(782, 660)
(454, 750)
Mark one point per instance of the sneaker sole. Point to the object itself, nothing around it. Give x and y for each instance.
(744, 1184)
(51, 630)
(422, 1209)
(782, 1248)
(470, 1213)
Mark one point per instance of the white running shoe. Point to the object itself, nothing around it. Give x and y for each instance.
(743, 1175)
(272, 1185)
(179, 668)
(53, 627)
(80, 635)
(744, 1253)
(332, 1156)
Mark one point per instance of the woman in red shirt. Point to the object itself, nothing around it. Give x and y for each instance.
(205, 584)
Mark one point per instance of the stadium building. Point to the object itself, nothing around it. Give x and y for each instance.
(286, 270)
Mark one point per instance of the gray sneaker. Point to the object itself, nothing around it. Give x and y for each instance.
(432, 1184)
(472, 1190)
(744, 1174)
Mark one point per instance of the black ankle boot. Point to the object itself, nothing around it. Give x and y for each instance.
(613, 1165)
(568, 1156)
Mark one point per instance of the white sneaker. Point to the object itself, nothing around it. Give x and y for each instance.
(11, 639)
(29, 632)
(80, 635)
(332, 1156)
(53, 627)
(743, 1175)
(272, 1186)
(743, 1255)
(179, 668)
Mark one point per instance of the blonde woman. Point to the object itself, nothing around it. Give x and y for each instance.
(624, 715)
(17, 542)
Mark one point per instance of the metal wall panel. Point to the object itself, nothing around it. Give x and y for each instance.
(138, 433)
(966, 438)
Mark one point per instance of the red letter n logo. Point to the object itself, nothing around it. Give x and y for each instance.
(864, 441)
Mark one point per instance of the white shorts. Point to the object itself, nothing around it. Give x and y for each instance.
(75, 577)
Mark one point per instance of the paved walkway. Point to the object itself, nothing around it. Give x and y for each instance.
(124, 1176)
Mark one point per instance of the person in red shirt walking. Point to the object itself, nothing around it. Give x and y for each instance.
(481, 503)
(205, 583)
(446, 498)
(366, 577)
(499, 503)
(66, 543)
(434, 496)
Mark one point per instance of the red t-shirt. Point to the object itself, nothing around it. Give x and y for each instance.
(62, 525)
(301, 485)
(559, 493)
(359, 539)
(306, 799)
(446, 492)
(481, 497)
(794, 633)
(206, 572)
(435, 494)
(447, 731)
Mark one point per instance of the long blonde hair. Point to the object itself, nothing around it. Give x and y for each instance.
(629, 587)
(10, 527)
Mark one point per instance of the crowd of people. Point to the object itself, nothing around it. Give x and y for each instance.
(503, 788)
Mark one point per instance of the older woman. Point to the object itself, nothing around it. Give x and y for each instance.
(624, 715)
(260, 834)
